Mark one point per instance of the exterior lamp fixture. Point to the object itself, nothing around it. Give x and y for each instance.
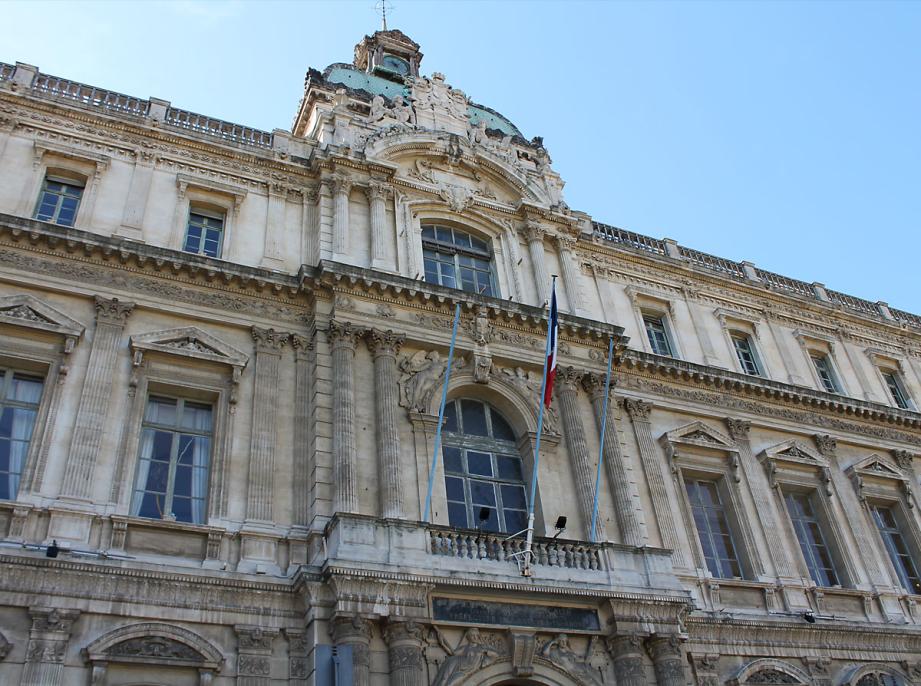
(560, 525)
(809, 616)
(52, 550)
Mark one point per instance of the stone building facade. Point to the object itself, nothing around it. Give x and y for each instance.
(222, 353)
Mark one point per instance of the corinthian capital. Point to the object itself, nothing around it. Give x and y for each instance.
(384, 342)
(594, 384)
(569, 378)
(269, 340)
(638, 409)
(351, 628)
(112, 311)
(378, 189)
(533, 231)
(738, 428)
(342, 184)
(565, 243)
(343, 334)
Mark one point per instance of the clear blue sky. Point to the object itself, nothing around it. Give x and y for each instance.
(785, 133)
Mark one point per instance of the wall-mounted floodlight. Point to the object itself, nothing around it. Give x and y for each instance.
(52, 550)
(560, 525)
(809, 616)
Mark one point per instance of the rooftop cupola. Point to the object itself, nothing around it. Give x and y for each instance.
(389, 53)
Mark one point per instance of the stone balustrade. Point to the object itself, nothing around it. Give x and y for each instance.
(489, 546)
(89, 95)
(228, 131)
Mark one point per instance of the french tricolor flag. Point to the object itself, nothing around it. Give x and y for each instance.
(553, 334)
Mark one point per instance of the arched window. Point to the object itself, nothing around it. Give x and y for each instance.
(455, 259)
(877, 679)
(484, 479)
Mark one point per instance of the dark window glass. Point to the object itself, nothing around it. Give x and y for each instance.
(898, 551)
(811, 541)
(826, 374)
(204, 235)
(745, 351)
(58, 201)
(174, 461)
(19, 398)
(455, 259)
(483, 474)
(713, 528)
(896, 390)
(658, 336)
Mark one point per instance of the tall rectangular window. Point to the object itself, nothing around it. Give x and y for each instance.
(713, 528)
(59, 200)
(19, 398)
(811, 541)
(898, 551)
(745, 351)
(457, 259)
(826, 373)
(657, 333)
(896, 389)
(175, 455)
(204, 234)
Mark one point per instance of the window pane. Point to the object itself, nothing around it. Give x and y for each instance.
(457, 515)
(515, 521)
(25, 389)
(182, 509)
(482, 493)
(513, 496)
(500, 427)
(428, 232)
(450, 417)
(479, 463)
(509, 467)
(196, 417)
(152, 505)
(712, 528)
(454, 488)
(452, 458)
(161, 411)
(473, 418)
(491, 523)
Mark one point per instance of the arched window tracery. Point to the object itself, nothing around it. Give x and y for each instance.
(457, 259)
(484, 474)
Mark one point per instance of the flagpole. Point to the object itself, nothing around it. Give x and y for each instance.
(529, 541)
(604, 423)
(441, 417)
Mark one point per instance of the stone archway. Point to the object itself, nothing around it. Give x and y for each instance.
(502, 673)
(153, 644)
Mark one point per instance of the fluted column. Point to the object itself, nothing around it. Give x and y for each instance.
(652, 468)
(378, 193)
(310, 226)
(47, 647)
(404, 649)
(259, 498)
(342, 186)
(761, 492)
(355, 631)
(254, 655)
(574, 433)
(627, 655)
(303, 445)
(566, 244)
(384, 346)
(632, 529)
(342, 340)
(667, 659)
(535, 235)
(93, 407)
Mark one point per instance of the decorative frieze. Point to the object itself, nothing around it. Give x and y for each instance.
(254, 655)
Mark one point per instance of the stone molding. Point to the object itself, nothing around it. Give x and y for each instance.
(154, 643)
(269, 340)
(112, 310)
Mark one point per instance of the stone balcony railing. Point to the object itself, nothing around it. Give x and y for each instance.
(745, 271)
(481, 545)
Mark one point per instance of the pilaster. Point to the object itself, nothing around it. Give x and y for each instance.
(48, 639)
(254, 655)
(138, 193)
(303, 453)
(355, 632)
(273, 250)
(384, 346)
(652, 468)
(342, 339)
(567, 391)
(342, 186)
(534, 233)
(405, 643)
(269, 344)
(298, 667)
(566, 246)
(92, 410)
(378, 193)
(632, 528)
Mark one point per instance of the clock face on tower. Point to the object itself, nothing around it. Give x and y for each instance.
(395, 64)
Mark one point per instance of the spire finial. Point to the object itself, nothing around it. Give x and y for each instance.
(382, 6)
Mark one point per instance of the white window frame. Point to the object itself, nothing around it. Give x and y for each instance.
(885, 363)
(455, 226)
(737, 324)
(649, 303)
(49, 159)
(196, 194)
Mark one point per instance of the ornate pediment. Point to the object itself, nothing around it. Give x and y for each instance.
(28, 311)
(700, 435)
(796, 453)
(155, 643)
(877, 467)
(189, 342)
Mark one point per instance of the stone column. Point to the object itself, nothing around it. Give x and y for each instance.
(378, 193)
(761, 492)
(47, 647)
(274, 248)
(310, 226)
(567, 391)
(93, 407)
(404, 649)
(342, 338)
(535, 235)
(569, 267)
(668, 660)
(627, 656)
(632, 529)
(355, 632)
(259, 497)
(254, 655)
(652, 467)
(342, 186)
(384, 346)
(303, 443)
